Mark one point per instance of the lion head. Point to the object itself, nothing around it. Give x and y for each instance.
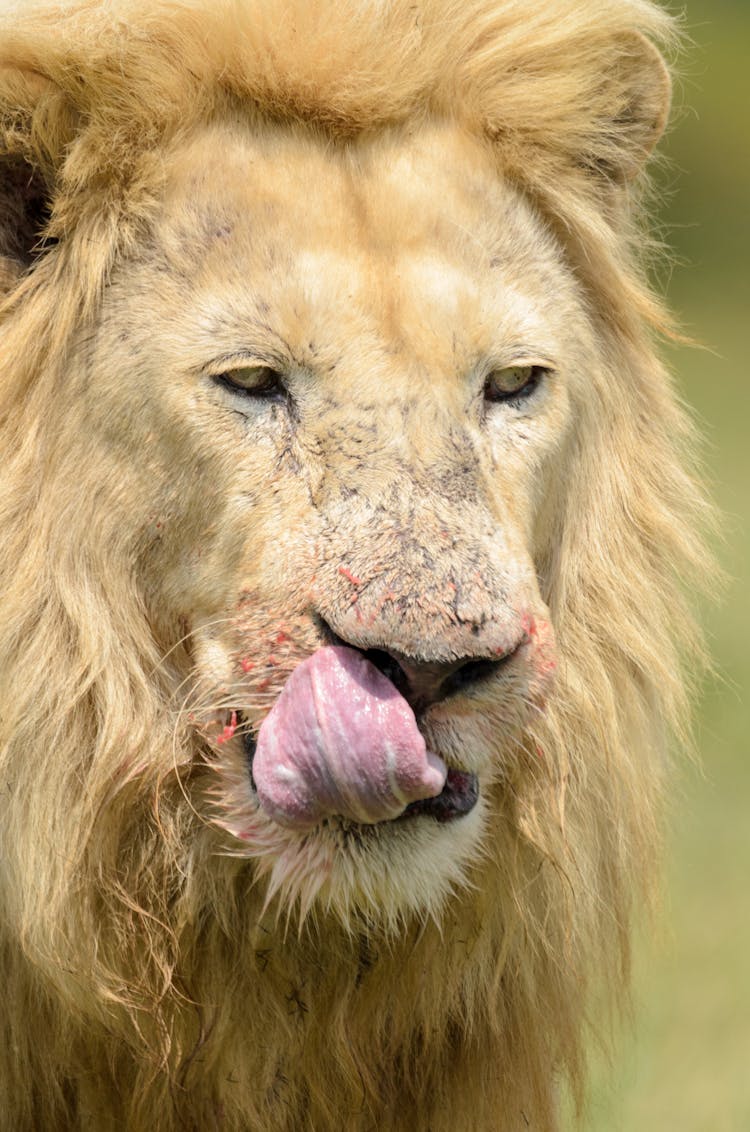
(346, 514)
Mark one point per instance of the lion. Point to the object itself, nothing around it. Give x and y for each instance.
(349, 527)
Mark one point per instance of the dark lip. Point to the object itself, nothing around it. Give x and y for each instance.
(249, 746)
(458, 797)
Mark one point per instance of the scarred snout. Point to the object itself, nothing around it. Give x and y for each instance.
(435, 611)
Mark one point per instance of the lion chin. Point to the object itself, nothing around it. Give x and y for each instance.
(377, 876)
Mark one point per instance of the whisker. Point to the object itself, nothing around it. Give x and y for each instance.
(186, 637)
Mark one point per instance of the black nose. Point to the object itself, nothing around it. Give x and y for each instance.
(424, 682)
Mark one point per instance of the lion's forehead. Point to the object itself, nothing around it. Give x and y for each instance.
(389, 237)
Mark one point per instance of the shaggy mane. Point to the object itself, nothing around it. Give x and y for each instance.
(121, 924)
(545, 83)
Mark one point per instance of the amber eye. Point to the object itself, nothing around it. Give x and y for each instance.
(513, 382)
(253, 381)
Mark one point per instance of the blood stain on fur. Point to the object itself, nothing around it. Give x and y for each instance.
(229, 729)
(355, 581)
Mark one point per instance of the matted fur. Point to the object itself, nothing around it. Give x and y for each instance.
(148, 980)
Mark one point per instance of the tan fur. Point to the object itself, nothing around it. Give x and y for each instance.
(387, 200)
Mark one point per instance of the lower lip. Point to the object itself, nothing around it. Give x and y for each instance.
(458, 797)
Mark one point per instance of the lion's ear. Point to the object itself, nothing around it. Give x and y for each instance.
(640, 96)
(34, 117)
(24, 210)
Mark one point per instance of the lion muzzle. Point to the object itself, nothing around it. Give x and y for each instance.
(341, 741)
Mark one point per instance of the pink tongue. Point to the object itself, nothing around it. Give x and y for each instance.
(341, 740)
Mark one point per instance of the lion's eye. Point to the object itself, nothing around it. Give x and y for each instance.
(513, 382)
(253, 381)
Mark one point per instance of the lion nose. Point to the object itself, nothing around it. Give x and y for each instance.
(426, 679)
(427, 682)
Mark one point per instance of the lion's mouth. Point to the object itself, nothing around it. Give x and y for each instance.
(458, 797)
(342, 742)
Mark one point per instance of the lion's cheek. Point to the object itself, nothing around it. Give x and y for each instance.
(542, 656)
(202, 562)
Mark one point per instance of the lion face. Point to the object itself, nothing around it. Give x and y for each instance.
(350, 374)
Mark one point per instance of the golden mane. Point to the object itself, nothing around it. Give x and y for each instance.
(118, 923)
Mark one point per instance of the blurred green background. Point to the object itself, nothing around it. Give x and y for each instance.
(685, 1065)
